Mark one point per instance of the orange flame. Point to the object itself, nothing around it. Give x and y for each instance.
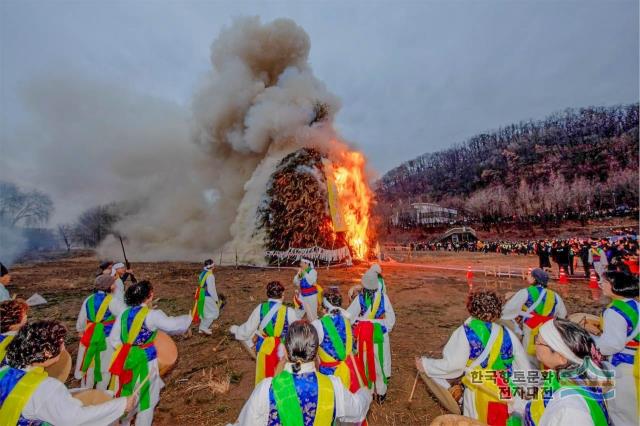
(355, 197)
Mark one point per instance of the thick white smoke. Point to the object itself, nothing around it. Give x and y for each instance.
(255, 107)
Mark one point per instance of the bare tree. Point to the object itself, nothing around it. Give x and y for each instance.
(18, 207)
(66, 234)
(94, 224)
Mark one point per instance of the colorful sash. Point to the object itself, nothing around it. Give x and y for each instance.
(201, 294)
(538, 309)
(293, 395)
(5, 339)
(374, 309)
(16, 388)
(130, 361)
(269, 340)
(370, 335)
(307, 289)
(491, 354)
(94, 338)
(335, 352)
(592, 397)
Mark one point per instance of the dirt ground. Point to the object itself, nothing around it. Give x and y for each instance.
(429, 305)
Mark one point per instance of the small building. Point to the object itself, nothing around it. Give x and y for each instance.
(458, 235)
(433, 214)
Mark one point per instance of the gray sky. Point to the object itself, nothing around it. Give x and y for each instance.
(413, 77)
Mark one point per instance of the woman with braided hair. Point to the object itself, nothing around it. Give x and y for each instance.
(300, 395)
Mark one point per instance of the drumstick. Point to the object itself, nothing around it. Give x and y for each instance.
(355, 367)
(141, 384)
(415, 382)
(215, 349)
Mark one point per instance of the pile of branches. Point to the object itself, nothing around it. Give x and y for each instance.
(296, 212)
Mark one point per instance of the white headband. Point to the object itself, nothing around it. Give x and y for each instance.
(331, 308)
(118, 265)
(551, 335)
(307, 261)
(209, 267)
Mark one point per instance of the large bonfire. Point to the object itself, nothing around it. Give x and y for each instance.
(271, 173)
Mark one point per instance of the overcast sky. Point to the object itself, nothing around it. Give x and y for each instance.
(413, 77)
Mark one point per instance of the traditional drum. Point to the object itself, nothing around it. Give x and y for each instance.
(92, 396)
(589, 322)
(443, 395)
(455, 420)
(167, 352)
(61, 369)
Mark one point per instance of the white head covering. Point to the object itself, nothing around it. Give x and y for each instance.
(307, 261)
(115, 267)
(552, 336)
(370, 280)
(209, 267)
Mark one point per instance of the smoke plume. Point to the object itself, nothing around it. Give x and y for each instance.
(256, 106)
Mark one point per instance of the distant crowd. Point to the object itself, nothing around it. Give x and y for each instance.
(620, 248)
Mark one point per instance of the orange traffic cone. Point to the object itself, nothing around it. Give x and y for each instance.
(593, 280)
(563, 277)
(469, 273)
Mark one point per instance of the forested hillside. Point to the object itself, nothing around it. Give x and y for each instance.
(570, 161)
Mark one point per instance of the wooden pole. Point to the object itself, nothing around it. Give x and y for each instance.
(413, 389)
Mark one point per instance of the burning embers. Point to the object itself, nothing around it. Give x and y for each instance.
(312, 201)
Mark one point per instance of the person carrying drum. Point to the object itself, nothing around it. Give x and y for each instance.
(619, 341)
(135, 359)
(300, 395)
(266, 327)
(97, 315)
(374, 319)
(206, 308)
(486, 354)
(29, 396)
(13, 316)
(532, 306)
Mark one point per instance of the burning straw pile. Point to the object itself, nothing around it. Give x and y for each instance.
(296, 211)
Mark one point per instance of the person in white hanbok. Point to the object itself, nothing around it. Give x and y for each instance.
(207, 306)
(133, 335)
(37, 346)
(305, 280)
(373, 319)
(317, 398)
(120, 272)
(619, 342)
(95, 321)
(574, 391)
(265, 330)
(5, 279)
(479, 347)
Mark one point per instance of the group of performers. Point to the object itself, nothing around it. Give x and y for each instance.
(318, 363)
(504, 352)
(351, 346)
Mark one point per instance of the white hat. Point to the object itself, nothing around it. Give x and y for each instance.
(115, 267)
(307, 261)
(370, 280)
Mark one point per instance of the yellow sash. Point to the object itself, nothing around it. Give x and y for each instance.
(20, 395)
(269, 344)
(324, 409)
(342, 369)
(375, 305)
(480, 381)
(103, 308)
(3, 346)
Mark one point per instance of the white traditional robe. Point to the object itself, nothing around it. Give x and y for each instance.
(52, 402)
(623, 409)
(309, 303)
(566, 410)
(349, 407)
(116, 307)
(4, 293)
(389, 322)
(118, 291)
(245, 332)
(211, 308)
(512, 309)
(155, 320)
(453, 364)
